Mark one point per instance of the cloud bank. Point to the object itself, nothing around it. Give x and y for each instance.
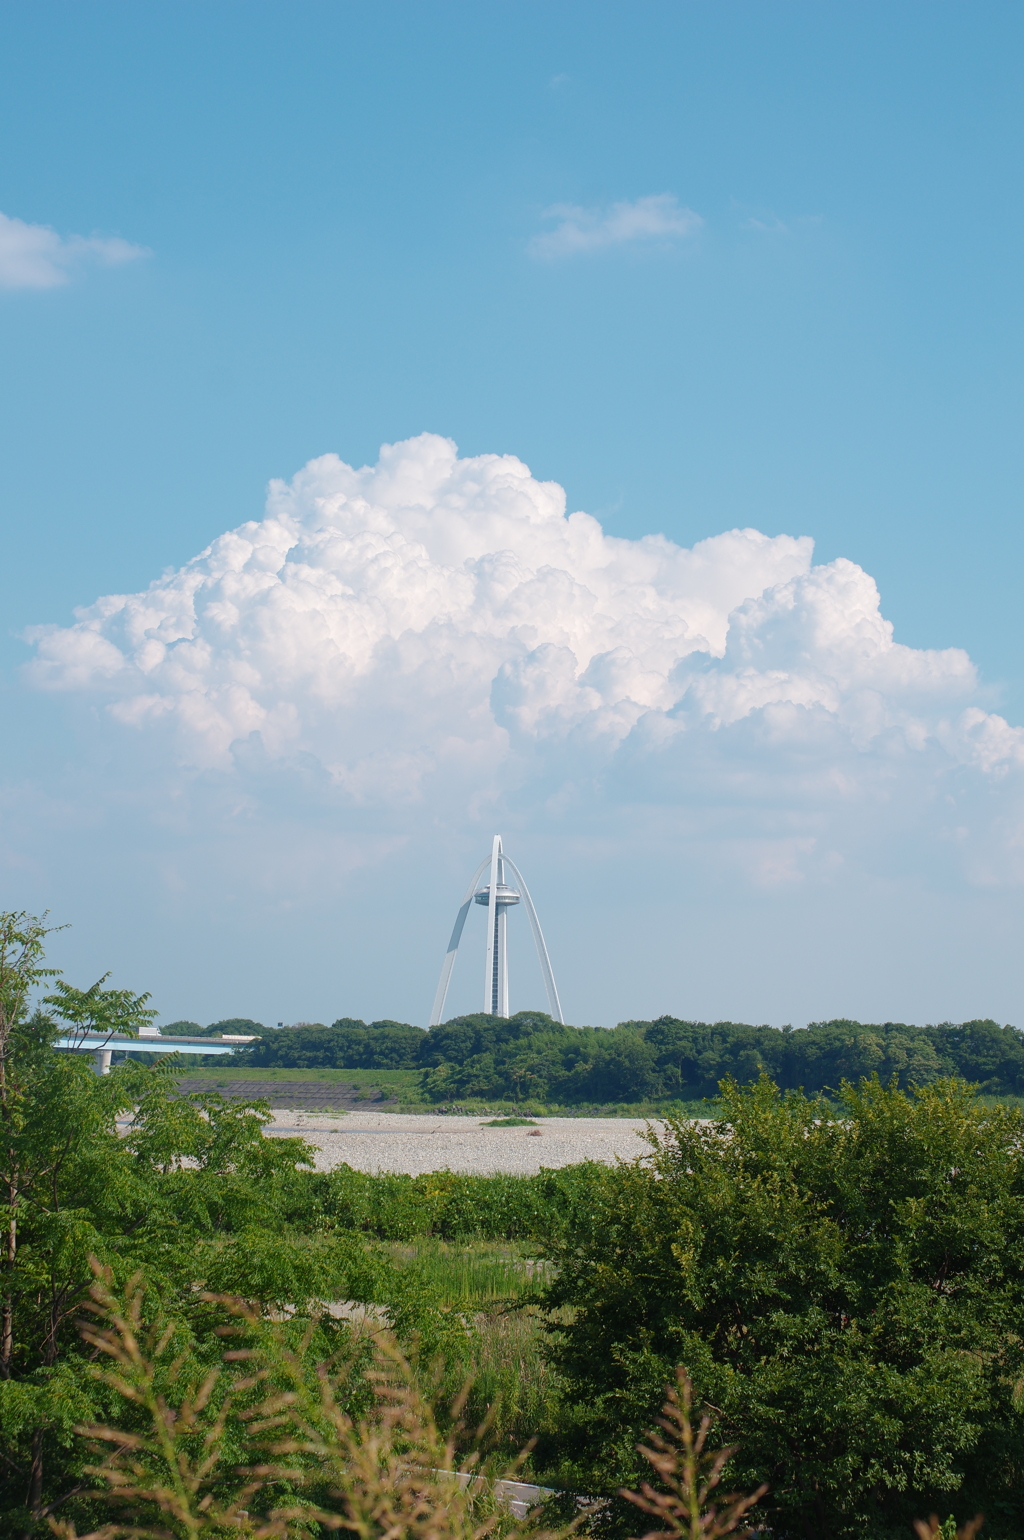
(436, 638)
(658, 217)
(36, 257)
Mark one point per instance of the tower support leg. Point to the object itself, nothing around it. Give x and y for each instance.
(501, 1002)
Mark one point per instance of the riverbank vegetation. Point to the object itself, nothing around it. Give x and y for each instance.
(191, 1315)
(482, 1059)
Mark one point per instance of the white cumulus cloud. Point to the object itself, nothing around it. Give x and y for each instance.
(431, 631)
(36, 257)
(734, 791)
(657, 217)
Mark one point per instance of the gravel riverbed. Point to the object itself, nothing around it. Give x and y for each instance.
(418, 1142)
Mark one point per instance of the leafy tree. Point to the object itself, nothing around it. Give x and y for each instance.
(486, 1056)
(983, 1052)
(237, 1026)
(621, 1066)
(114, 1167)
(98, 1010)
(22, 952)
(531, 1056)
(347, 1045)
(121, 1169)
(846, 1288)
(670, 1059)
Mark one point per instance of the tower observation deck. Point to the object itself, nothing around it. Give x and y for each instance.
(497, 896)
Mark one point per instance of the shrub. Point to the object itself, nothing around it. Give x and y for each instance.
(846, 1287)
(272, 1444)
(452, 1205)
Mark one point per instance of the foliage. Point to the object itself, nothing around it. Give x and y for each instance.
(51, 1203)
(534, 1061)
(471, 1274)
(271, 1444)
(690, 1475)
(187, 1191)
(530, 1057)
(844, 1280)
(234, 1026)
(493, 1286)
(186, 1188)
(846, 1287)
(239, 1026)
(693, 1058)
(348, 1044)
(22, 952)
(98, 1010)
(452, 1205)
(267, 1441)
(933, 1530)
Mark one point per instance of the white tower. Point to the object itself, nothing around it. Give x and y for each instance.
(498, 897)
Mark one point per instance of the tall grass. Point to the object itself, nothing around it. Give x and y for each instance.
(471, 1274)
(512, 1389)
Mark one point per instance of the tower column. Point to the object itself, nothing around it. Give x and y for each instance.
(491, 956)
(501, 973)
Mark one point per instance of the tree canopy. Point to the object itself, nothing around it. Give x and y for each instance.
(348, 1044)
(846, 1288)
(122, 1173)
(529, 1056)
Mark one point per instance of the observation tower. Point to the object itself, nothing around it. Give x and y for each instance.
(497, 896)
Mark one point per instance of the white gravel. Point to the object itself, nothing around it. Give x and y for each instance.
(418, 1142)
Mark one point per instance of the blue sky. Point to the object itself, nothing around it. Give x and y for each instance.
(813, 329)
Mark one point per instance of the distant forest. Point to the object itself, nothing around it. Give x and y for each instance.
(530, 1057)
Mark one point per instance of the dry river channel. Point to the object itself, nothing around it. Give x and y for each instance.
(419, 1142)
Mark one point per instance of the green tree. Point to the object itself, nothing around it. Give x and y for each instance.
(668, 1059)
(348, 1044)
(114, 1167)
(119, 1168)
(846, 1288)
(22, 952)
(234, 1026)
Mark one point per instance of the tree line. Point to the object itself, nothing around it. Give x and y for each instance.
(531, 1057)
